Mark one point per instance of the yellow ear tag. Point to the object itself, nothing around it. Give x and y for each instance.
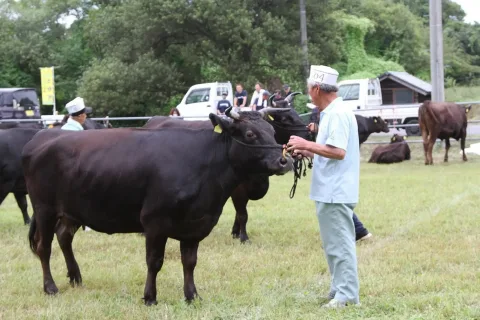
(217, 129)
(375, 120)
(393, 139)
(466, 110)
(404, 137)
(270, 117)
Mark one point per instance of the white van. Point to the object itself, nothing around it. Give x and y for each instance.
(202, 99)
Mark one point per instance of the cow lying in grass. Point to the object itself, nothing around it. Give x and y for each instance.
(397, 151)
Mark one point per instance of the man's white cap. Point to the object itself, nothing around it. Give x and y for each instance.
(323, 74)
(75, 105)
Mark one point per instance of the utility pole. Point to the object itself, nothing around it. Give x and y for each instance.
(436, 51)
(303, 28)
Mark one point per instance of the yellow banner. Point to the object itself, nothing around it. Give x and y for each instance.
(48, 86)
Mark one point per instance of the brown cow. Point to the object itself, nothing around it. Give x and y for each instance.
(442, 120)
(397, 151)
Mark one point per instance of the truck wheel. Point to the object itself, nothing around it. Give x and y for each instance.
(413, 131)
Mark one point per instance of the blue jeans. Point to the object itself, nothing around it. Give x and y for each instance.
(360, 230)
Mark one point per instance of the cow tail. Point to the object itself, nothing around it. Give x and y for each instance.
(429, 109)
(31, 234)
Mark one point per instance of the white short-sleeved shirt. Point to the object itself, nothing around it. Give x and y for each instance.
(337, 181)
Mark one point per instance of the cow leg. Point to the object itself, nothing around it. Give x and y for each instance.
(240, 200)
(189, 260)
(65, 233)
(155, 249)
(45, 229)
(23, 205)
(447, 147)
(426, 140)
(431, 144)
(462, 144)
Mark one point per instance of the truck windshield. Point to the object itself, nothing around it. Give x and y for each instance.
(26, 98)
(349, 91)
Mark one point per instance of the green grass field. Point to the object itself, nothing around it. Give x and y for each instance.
(423, 262)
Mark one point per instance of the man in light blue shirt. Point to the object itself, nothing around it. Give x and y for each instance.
(77, 111)
(78, 114)
(335, 182)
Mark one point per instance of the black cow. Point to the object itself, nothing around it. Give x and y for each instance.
(285, 121)
(367, 126)
(397, 151)
(12, 142)
(29, 125)
(167, 183)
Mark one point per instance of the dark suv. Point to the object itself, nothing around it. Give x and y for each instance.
(19, 103)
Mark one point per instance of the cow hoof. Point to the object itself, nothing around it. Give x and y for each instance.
(235, 235)
(244, 240)
(150, 302)
(50, 289)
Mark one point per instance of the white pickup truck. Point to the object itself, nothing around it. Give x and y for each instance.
(202, 99)
(364, 96)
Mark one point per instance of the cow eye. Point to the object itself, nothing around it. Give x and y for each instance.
(250, 134)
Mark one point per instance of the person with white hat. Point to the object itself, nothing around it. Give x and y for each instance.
(78, 114)
(335, 182)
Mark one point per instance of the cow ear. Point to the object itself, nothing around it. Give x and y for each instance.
(219, 124)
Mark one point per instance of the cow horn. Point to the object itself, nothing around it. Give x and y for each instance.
(291, 95)
(232, 113)
(270, 99)
(265, 112)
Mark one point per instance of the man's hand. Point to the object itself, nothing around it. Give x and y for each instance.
(296, 143)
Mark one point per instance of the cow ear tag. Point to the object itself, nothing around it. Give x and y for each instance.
(217, 129)
(466, 110)
(393, 139)
(270, 117)
(404, 137)
(375, 120)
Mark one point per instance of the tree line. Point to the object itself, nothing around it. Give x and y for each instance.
(138, 57)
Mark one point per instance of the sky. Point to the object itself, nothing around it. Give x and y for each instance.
(471, 8)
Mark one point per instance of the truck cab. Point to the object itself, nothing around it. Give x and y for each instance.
(202, 99)
(361, 94)
(19, 103)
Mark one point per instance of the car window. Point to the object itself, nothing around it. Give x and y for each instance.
(221, 90)
(198, 95)
(349, 92)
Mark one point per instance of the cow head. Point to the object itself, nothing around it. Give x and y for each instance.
(397, 138)
(253, 148)
(380, 125)
(286, 123)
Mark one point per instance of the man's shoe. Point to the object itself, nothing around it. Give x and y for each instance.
(334, 304)
(365, 237)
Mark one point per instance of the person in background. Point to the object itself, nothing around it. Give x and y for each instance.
(265, 96)
(223, 104)
(257, 98)
(240, 99)
(335, 183)
(174, 112)
(77, 116)
(287, 90)
(278, 95)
